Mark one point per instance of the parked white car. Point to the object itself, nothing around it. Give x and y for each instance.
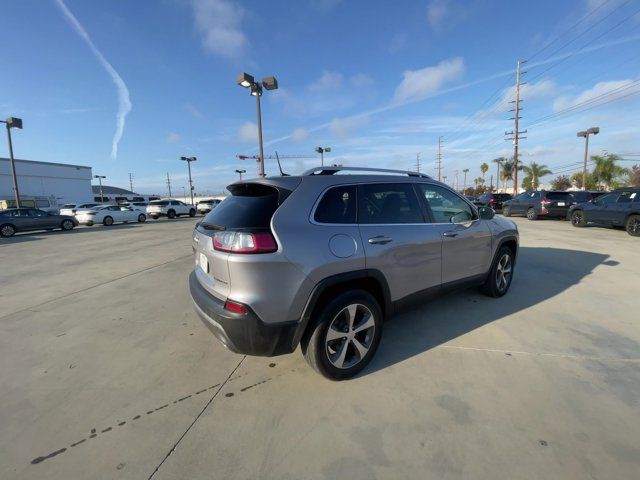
(205, 206)
(168, 207)
(109, 214)
(72, 208)
(137, 206)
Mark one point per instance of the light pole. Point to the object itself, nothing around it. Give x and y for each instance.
(13, 122)
(585, 134)
(184, 193)
(270, 83)
(321, 151)
(444, 179)
(189, 160)
(464, 183)
(240, 172)
(100, 177)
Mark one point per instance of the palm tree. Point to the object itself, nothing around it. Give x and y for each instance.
(507, 171)
(605, 171)
(535, 172)
(484, 168)
(499, 161)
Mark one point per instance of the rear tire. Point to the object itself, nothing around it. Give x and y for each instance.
(108, 221)
(531, 214)
(501, 274)
(7, 231)
(192, 213)
(344, 335)
(67, 225)
(155, 217)
(142, 218)
(506, 211)
(577, 219)
(171, 214)
(632, 225)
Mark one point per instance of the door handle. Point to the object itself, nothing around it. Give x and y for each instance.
(380, 240)
(450, 234)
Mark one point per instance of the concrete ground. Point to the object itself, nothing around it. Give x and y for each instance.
(106, 372)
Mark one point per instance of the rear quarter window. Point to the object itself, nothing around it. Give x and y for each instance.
(338, 205)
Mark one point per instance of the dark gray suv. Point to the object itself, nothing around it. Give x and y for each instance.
(321, 259)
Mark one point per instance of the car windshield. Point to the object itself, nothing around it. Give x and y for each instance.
(68, 205)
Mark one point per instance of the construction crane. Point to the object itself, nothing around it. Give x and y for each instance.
(273, 157)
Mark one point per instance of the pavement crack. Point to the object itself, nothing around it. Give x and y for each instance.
(184, 434)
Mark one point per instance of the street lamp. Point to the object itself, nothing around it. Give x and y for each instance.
(240, 172)
(13, 122)
(270, 83)
(464, 183)
(189, 160)
(100, 177)
(321, 151)
(585, 134)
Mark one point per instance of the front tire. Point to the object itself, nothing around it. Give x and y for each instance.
(192, 213)
(171, 214)
(501, 274)
(577, 219)
(108, 221)
(506, 211)
(67, 225)
(344, 335)
(7, 231)
(142, 218)
(632, 226)
(531, 214)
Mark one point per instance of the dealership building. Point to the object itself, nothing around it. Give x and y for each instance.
(67, 183)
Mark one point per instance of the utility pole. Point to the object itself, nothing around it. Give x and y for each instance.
(498, 161)
(439, 158)
(464, 183)
(169, 184)
(516, 132)
(130, 182)
(456, 181)
(418, 162)
(10, 123)
(491, 184)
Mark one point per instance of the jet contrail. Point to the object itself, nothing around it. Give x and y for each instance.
(124, 102)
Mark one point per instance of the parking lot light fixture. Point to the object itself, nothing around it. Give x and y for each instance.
(255, 88)
(585, 134)
(321, 151)
(189, 160)
(13, 122)
(240, 172)
(100, 177)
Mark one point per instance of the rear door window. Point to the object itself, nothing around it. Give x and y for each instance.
(338, 205)
(625, 197)
(388, 203)
(250, 205)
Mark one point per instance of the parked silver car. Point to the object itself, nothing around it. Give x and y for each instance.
(321, 259)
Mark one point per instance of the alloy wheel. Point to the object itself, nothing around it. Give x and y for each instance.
(350, 336)
(576, 218)
(634, 226)
(8, 231)
(503, 272)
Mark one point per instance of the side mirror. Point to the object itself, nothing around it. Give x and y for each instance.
(486, 213)
(460, 217)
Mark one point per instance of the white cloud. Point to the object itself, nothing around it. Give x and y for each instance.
(291, 104)
(328, 81)
(193, 110)
(219, 23)
(397, 42)
(345, 127)
(528, 92)
(419, 84)
(173, 137)
(124, 101)
(598, 89)
(248, 132)
(361, 80)
(299, 135)
(437, 12)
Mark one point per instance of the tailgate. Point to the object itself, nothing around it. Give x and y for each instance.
(211, 265)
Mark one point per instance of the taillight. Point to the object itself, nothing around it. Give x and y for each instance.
(92, 213)
(244, 242)
(545, 200)
(73, 210)
(491, 200)
(235, 307)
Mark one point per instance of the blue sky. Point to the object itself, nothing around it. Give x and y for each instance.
(128, 86)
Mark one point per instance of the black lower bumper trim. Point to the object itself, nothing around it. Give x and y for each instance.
(246, 334)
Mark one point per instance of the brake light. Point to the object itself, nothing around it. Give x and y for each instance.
(545, 200)
(235, 307)
(92, 213)
(244, 242)
(491, 200)
(73, 210)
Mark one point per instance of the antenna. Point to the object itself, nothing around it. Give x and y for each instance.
(282, 174)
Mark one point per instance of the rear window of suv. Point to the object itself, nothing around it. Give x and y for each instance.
(558, 196)
(162, 203)
(250, 205)
(501, 196)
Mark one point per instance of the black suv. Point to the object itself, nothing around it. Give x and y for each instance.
(620, 208)
(543, 203)
(493, 200)
(582, 196)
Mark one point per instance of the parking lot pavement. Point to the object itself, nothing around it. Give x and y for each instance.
(107, 372)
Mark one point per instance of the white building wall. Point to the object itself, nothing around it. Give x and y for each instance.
(68, 183)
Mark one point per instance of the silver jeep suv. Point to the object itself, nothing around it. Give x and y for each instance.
(321, 259)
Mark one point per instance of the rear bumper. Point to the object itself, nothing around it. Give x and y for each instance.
(245, 334)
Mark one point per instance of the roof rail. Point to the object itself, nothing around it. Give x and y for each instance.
(334, 170)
